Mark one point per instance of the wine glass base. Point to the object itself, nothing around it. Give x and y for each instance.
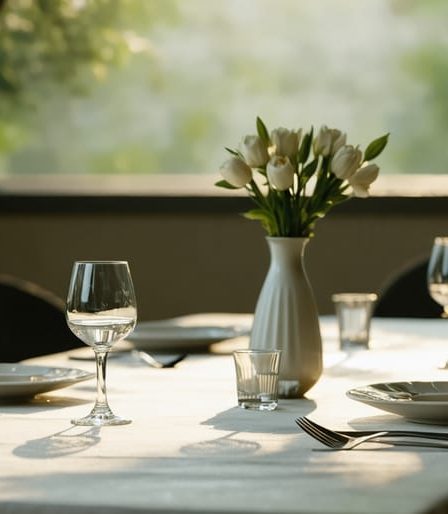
(100, 420)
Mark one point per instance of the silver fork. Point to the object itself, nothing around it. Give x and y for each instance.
(149, 359)
(339, 441)
(331, 441)
(443, 436)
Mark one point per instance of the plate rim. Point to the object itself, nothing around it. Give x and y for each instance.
(191, 332)
(397, 401)
(432, 412)
(80, 376)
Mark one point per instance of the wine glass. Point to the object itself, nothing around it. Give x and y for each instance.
(101, 310)
(438, 273)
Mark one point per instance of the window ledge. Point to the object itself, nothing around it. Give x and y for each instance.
(195, 193)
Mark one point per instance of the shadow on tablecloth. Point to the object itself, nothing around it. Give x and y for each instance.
(65, 442)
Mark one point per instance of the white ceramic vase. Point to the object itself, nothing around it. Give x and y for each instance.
(286, 318)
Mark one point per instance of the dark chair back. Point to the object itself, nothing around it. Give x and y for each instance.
(32, 321)
(406, 295)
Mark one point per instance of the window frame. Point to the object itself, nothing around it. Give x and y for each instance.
(172, 194)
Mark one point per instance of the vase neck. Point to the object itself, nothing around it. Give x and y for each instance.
(286, 250)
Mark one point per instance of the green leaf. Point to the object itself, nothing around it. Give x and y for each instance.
(233, 152)
(309, 170)
(263, 131)
(305, 147)
(225, 185)
(258, 214)
(376, 147)
(266, 218)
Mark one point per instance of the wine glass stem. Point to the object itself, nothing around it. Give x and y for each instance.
(101, 396)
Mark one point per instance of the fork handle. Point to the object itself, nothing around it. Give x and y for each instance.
(419, 444)
(396, 433)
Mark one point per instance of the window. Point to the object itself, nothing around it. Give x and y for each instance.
(156, 87)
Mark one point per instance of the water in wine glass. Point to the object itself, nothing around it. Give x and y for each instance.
(439, 293)
(101, 310)
(102, 331)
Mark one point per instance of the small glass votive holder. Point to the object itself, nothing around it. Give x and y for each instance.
(257, 378)
(354, 312)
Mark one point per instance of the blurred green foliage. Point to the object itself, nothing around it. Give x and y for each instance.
(420, 120)
(161, 86)
(423, 129)
(69, 46)
(73, 42)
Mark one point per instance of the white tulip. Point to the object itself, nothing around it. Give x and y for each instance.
(338, 140)
(280, 172)
(255, 151)
(286, 142)
(346, 161)
(322, 142)
(236, 172)
(362, 179)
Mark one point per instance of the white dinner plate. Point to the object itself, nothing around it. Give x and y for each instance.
(21, 380)
(424, 402)
(159, 335)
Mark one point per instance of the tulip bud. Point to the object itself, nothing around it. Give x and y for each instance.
(338, 140)
(280, 172)
(346, 161)
(236, 172)
(362, 179)
(286, 142)
(322, 142)
(254, 151)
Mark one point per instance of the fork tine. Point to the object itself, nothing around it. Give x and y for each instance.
(311, 431)
(331, 433)
(327, 433)
(319, 436)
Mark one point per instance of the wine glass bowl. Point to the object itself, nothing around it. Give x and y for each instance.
(438, 273)
(101, 310)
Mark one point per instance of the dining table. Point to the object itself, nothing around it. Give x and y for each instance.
(191, 449)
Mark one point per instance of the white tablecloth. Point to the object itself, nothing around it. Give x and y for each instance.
(189, 449)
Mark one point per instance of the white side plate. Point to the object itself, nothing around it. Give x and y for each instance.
(22, 381)
(159, 335)
(424, 402)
